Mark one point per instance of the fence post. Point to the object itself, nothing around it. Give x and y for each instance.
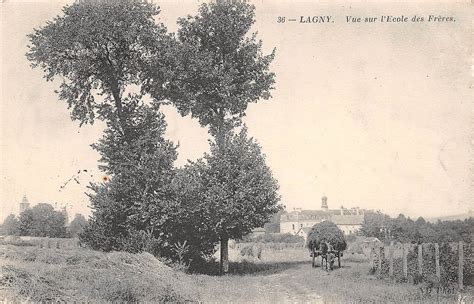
(379, 262)
(461, 265)
(420, 259)
(438, 270)
(372, 259)
(405, 261)
(390, 254)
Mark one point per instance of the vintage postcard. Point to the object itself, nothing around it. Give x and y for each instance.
(232, 151)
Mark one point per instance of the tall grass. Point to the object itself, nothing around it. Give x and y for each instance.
(52, 275)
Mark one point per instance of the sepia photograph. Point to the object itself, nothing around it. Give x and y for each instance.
(236, 151)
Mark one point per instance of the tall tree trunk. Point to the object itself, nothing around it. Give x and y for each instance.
(224, 265)
(220, 136)
(118, 105)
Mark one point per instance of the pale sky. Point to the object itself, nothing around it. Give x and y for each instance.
(370, 115)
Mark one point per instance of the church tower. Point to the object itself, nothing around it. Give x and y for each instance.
(24, 204)
(324, 203)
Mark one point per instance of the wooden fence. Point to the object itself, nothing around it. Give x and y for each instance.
(443, 263)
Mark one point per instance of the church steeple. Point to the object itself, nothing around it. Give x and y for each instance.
(24, 204)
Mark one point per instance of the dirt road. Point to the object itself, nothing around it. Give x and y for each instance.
(293, 282)
(291, 279)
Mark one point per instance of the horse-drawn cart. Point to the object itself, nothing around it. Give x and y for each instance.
(329, 257)
(325, 239)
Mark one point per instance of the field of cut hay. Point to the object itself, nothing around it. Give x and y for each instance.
(51, 275)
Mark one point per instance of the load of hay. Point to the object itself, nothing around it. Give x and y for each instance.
(326, 232)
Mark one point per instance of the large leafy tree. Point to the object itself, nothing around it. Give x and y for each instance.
(231, 191)
(42, 220)
(219, 68)
(99, 49)
(376, 224)
(239, 186)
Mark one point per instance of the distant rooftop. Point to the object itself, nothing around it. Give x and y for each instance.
(347, 219)
(302, 215)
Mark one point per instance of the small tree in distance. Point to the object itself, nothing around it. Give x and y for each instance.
(42, 220)
(10, 225)
(77, 225)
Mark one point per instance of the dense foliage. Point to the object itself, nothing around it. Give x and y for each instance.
(136, 195)
(42, 220)
(109, 55)
(227, 193)
(99, 50)
(273, 226)
(239, 191)
(10, 225)
(220, 67)
(77, 225)
(326, 232)
(406, 230)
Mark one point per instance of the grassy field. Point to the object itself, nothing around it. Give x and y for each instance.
(286, 276)
(33, 274)
(281, 276)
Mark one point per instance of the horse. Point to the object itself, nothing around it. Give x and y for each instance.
(327, 255)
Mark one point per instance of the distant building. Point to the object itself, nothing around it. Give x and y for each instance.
(349, 223)
(24, 204)
(304, 232)
(296, 221)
